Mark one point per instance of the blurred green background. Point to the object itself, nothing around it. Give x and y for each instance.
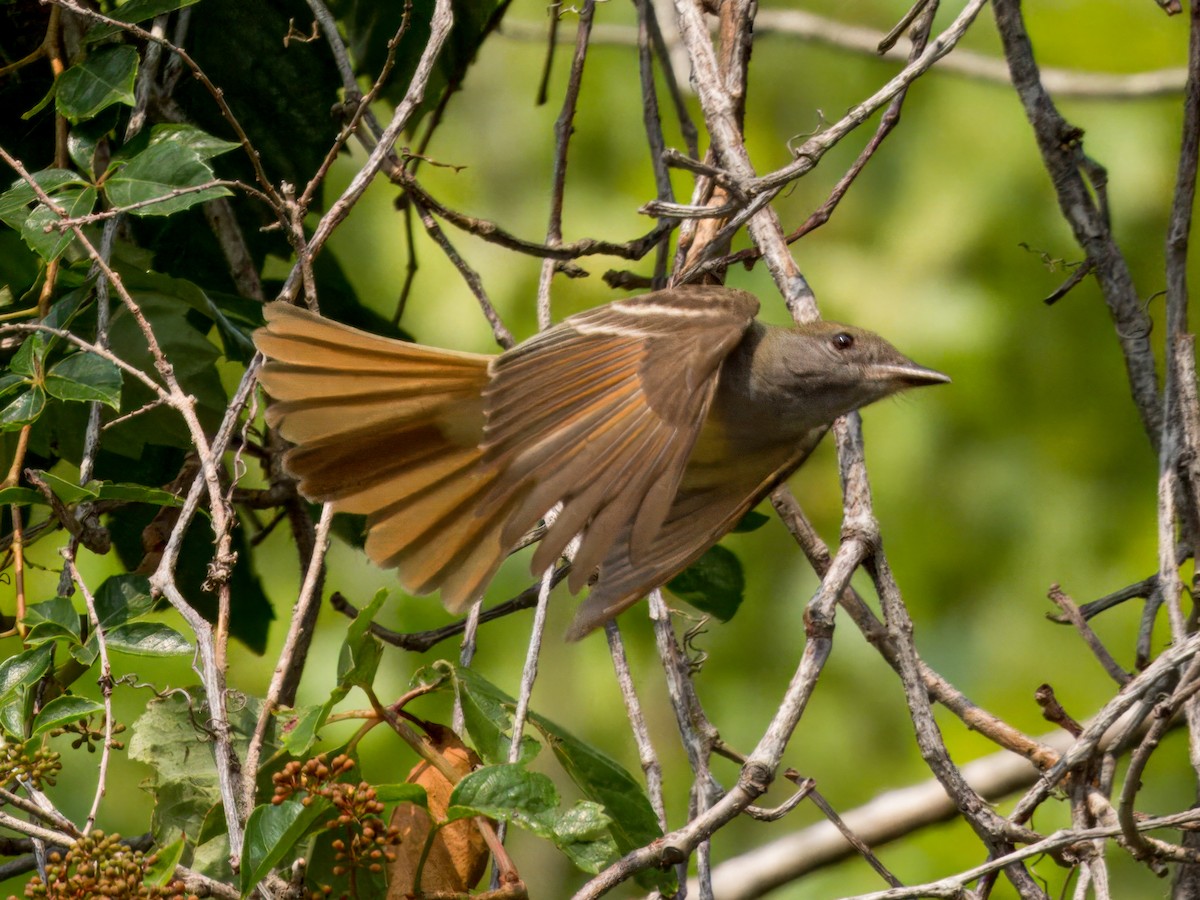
(1030, 469)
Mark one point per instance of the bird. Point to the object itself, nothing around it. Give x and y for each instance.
(651, 424)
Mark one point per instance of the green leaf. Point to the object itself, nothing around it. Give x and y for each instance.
(148, 639)
(85, 377)
(402, 793)
(9, 382)
(52, 620)
(162, 871)
(199, 141)
(141, 10)
(24, 409)
(156, 173)
(507, 792)
(62, 711)
(14, 713)
(582, 833)
(136, 493)
(20, 497)
(235, 339)
(298, 728)
(272, 831)
(751, 521)
(23, 670)
(123, 598)
(488, 715)
(169, 738)
(184, 343)
(14, 203)
(104, 78)
(604, 781)
(40, 229)
(714, 583)
(361, 651)
(66, 491)
(27, 360)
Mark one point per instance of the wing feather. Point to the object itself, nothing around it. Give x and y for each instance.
(710, 501)
(601, 413)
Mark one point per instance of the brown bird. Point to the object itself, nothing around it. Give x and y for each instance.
(657, 422)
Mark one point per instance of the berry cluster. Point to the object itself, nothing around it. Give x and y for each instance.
(99, 865)
(28, 762)
(365, 842)
(86, 733)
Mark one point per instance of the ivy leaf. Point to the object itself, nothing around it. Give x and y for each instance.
(714, 584)
(85, 377)
(104, 78)
(40, 230)
(14, 203)
(156, 174)
(23, 410)
(199, 141)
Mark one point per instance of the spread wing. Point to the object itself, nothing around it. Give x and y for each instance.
(601, 413)
(711, 501)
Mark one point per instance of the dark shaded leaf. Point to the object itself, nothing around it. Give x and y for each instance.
(24, 409)
(14, 203)
(85, 377)
(714, 583)
(751, 521)
(104, 78)
(41, 231)
(156, 174)
(371, 25)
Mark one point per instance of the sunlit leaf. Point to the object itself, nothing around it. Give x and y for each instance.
(63, 711)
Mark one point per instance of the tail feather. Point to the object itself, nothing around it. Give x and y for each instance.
(393, 431)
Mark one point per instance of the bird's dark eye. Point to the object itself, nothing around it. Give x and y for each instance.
(843, 341)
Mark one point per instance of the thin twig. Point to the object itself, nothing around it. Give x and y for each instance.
(308, 597)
